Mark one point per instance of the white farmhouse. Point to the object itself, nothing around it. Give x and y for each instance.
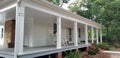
(32, 28)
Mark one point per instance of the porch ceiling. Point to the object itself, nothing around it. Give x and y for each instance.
(67, 23)
(39, 16)
(9, 14)
(45, 18)
(5, 3)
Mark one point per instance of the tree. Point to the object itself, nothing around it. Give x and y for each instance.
(57, 2)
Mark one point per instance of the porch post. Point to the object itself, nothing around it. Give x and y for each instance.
(97, 35)
(59, 55)
(101, 35)
(92, 34)
(86, 34)
(19, 29)
(59, 32)
(75, 34)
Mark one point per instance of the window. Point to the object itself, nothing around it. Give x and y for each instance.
(2, 33)
(70, 34)
(79, 33)
(55, 28)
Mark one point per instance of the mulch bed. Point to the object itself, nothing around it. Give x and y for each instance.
(98, 55)
(118, 49)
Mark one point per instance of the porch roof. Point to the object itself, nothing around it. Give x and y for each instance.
(58, 11)
(51, 9)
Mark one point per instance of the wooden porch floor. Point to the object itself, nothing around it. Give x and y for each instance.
(40, 50)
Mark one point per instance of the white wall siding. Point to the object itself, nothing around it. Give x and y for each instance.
(37, 34)
(82, 33)
(41, 34)
(28, 32)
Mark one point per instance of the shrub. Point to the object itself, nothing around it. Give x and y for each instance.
(112, 48)
(73, 54)
(49, 56)
(117, 45)
(104, 46)
(92, 50)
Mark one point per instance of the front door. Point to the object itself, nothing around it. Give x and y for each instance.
(9, 36)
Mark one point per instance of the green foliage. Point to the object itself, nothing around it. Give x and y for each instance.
(116, 45)
(74, 7)
(49, 56)
(92, 50)
(89, 34)
(104, 46)
(112, 48)
(57, 2)
(73, 54)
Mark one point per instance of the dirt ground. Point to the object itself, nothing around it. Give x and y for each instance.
(101, 55)
(115, 56)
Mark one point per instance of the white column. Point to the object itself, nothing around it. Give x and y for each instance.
(97, 35)
(75, 34)
(92, 34)
(86, 34)
(100, 35)
(58, 32)
(19, 30)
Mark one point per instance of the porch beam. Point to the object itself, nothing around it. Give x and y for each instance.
(97, 35)
(8, 7)
(101, 35)
(92, 34)
(75, 33)
(19, 29)
(59, 32)
(86, 34)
